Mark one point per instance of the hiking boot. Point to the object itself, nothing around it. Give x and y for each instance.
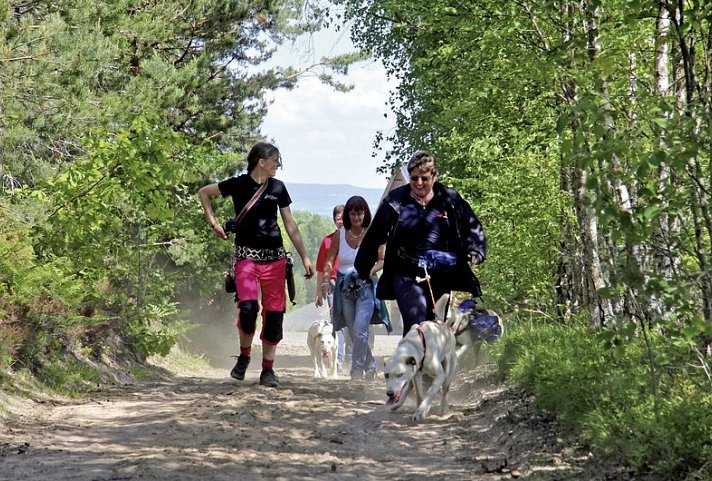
(370, 376)
(238, 372)
(269, 378)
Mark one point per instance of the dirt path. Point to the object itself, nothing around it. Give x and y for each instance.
(209, 427)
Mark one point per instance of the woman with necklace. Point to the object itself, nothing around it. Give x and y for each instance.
(355, 304)
(423, 223)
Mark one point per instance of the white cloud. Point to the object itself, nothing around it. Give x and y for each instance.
(326, 136)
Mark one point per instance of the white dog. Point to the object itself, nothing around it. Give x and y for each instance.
(428, 348)
(473, 325)
(322, 344)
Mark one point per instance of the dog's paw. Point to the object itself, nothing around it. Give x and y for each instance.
(420, 413)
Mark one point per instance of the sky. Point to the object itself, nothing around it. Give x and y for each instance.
(326, 136)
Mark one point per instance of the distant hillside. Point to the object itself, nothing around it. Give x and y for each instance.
(321, 198)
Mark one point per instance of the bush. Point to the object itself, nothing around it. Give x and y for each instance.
(601, 385)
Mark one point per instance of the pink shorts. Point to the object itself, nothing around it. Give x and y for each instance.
(270, 276)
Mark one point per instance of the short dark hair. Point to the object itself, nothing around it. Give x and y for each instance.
(261, 150)
(337, 210)
(358, 204)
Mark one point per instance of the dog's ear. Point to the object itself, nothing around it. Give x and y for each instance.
(441, 307)
(453, 321)
(411, 361)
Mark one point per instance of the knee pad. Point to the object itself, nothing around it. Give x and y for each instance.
(247, 320)
(272, 330)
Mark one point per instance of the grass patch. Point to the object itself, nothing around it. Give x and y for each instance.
(64, 377)
(69, 376)
(179, 361)
(601, 384)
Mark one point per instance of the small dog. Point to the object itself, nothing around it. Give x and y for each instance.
(473, 325)
(322, 345)
(428, 348)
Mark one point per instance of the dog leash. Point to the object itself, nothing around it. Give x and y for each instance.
(419, 279)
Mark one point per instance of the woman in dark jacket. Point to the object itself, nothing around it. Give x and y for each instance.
(425, 227)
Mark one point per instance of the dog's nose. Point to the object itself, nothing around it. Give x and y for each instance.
(389, 393)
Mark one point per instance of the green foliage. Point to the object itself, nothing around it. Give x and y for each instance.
(560, 364)
(41, 302)
(94, 260)
(69, 376)
(676, 444)
(71, 66)
(313, 228)
(157, 331)
(113, 116)
(126, 181)
(518, 204)
(600, 383)
(481, 102)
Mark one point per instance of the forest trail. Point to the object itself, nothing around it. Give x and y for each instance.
(209, 427)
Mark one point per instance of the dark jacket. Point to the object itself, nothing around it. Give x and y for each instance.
(466, 238)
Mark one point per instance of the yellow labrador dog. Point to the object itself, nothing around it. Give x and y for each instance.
(322, 345)
(428, 348)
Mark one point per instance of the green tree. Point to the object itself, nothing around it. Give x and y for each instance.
(313, 228)
(468, 93)
(112, 115)
(70, 66)
(580, 131)
(581, 104)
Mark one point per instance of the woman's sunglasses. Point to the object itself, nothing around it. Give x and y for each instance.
(424, 178)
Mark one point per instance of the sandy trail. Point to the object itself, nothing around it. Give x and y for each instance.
(209, 427)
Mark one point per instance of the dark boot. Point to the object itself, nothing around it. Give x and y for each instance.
(269, 378)
(238, 372)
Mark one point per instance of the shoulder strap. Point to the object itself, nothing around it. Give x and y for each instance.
(252, 202)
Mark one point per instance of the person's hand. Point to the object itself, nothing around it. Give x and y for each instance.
(218, 230)
(309, 271)
(319, 300)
